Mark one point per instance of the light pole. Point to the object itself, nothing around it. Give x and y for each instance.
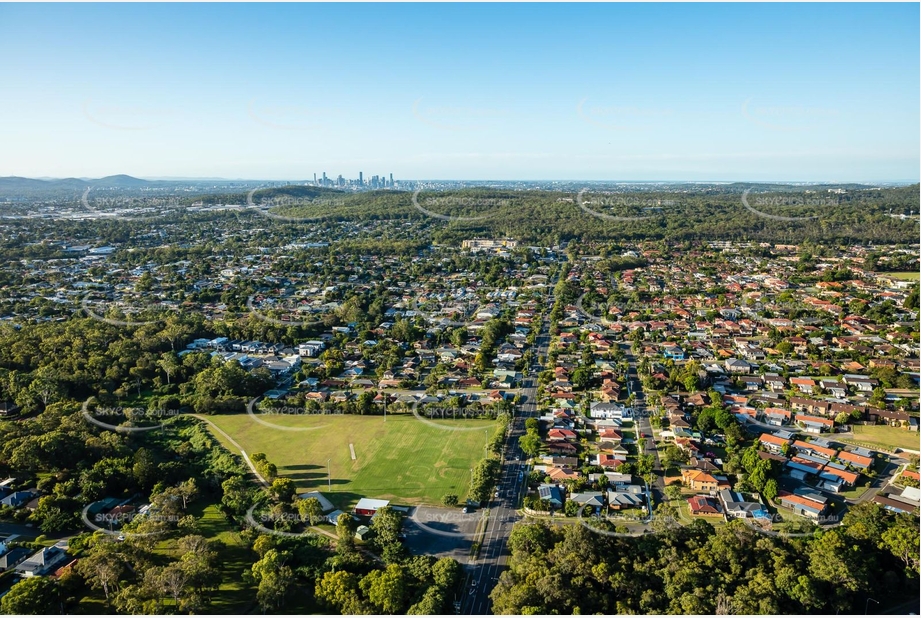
(867, 604)
(329, 477)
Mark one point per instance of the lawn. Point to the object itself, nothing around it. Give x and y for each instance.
(905, 276)
(401, 458)
(884, 435)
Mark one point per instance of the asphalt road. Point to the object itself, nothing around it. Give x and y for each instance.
(643, 426)
(483, 573)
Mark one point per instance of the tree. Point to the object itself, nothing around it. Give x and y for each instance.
(345, 531)
(785, 348)
(901, 539)
(530, 443)
(673, 491)
(102, 568)
(834, 561)
(385, 588)
(31, 596)
(187, 491)
(446, 572)
(237, 494)
(310, 510)
(449, 499)
(173, 580)
(335, 588)
(431, 603)
(274, 578)
(283, 490)
(770, 490)
(199, 563)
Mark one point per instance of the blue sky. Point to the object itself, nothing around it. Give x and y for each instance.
(484, 91)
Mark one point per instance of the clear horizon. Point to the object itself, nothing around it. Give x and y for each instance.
(490, 92)
(560, 180)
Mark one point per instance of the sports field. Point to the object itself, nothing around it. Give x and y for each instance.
(884, 435)
(907, 276)
(402, 458)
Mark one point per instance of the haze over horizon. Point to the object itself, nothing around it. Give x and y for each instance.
(623, 92)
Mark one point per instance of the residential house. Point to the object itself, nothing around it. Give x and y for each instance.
(773, 443)
(13, 557)
(704, 505)
(802, 505)
(814, 424)
(42, 562)
(699, 480)
(776, 416)
(591, 501)
(737, 365)
(553, 494)
(735, 505)
(854, 460)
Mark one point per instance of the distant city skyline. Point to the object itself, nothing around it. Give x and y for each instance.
(489, 92)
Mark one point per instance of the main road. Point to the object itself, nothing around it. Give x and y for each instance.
(483, 573)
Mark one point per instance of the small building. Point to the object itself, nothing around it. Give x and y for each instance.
(325, 504)
(369, 506)
(363, 533)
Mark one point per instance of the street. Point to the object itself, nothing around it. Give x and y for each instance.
(483, 573)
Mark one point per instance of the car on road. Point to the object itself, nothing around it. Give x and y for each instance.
(465, 510)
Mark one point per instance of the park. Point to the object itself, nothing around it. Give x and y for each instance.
(398, 457)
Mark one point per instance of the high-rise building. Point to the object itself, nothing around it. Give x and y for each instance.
(361, 179)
